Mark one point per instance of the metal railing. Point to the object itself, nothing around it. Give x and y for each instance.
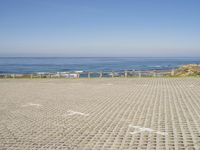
(155, 73)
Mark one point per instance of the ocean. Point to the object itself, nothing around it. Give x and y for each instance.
(93, 64)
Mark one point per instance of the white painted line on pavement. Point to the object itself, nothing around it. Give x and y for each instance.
(31, 104)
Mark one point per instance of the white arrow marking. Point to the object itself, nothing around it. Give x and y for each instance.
(71, 113)
(140, 129)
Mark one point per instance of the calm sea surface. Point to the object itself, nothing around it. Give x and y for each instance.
(61, 64)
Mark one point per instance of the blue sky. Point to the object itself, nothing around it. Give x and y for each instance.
(137, 28)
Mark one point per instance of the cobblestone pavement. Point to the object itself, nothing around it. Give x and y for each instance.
(100, 114)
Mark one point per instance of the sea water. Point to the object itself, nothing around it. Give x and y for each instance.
(93, 64)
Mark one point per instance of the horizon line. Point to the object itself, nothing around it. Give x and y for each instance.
(99, 57)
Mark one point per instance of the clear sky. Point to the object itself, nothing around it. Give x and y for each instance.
(136, 28)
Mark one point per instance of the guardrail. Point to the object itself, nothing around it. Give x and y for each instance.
(155, 73)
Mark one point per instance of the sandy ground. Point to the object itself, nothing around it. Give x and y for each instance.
(100, 114)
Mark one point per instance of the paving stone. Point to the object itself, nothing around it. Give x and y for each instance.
(100, 114)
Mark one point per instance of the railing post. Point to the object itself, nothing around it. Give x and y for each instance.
(125, 74)
(172, 72)
(139, 74)
(59, 74)
(100, 75)
(132, 73)
(112, 74)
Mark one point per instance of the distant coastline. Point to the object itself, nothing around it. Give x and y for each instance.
(28, 65)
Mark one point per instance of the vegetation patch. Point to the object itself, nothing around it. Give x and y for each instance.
(188, 70)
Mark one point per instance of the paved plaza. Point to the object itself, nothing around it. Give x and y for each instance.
(100, 114)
